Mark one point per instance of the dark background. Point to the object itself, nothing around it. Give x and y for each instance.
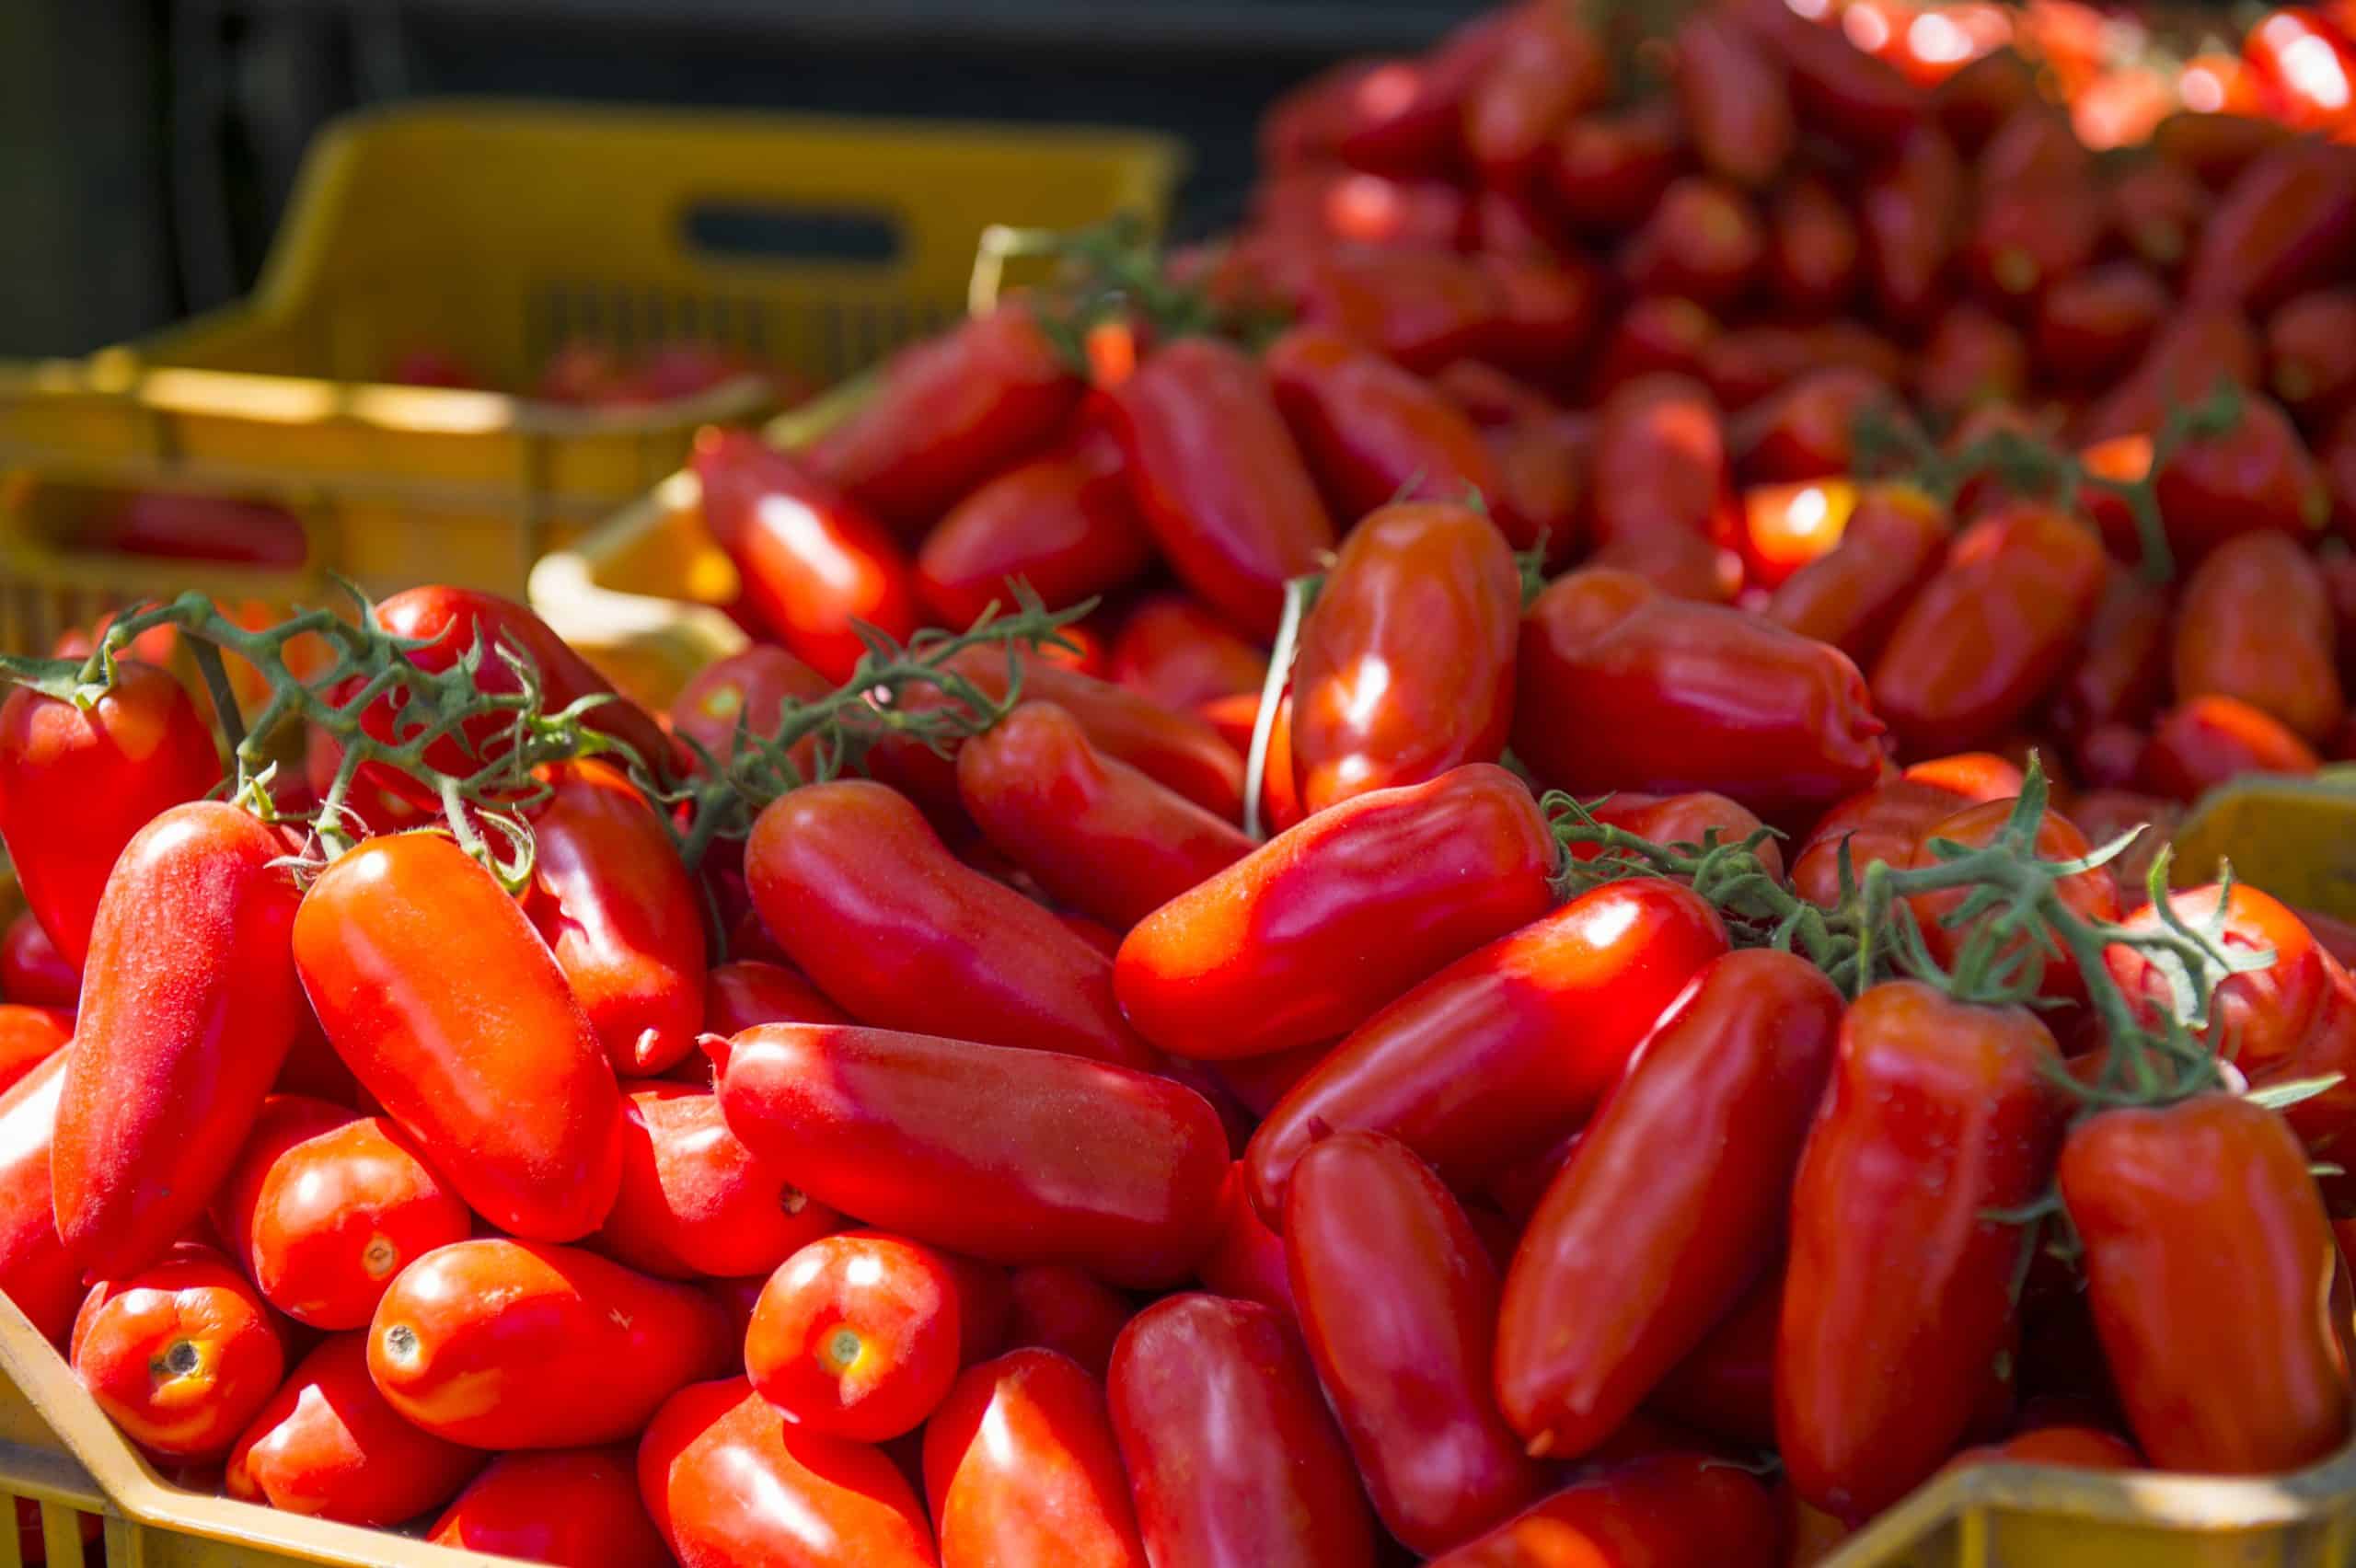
(146, 145)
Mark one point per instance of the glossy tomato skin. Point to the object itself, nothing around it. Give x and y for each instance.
(1885, 824)
(449, 621)
(856, 1336)
(730, 1485)
(29, 1036)
(2287, 221)
(180, 1355)
(1233, 1458)
(694, 1202)
(1662, 463)
(1021, 1466)
(750, 687)
(328, 1445)
(501, 1344)
(36, 1270)
(1497, 1055)
(1990, 633)
(859, 891)
(1853, 595)
(810, 560)
(1366, 1220)
(75, 786)
(570, 1507)
(1550, 67)
(1620, 687)
(1938, 1112)
(1173, 651)
(1247, 1264)
(617, 906)
(948, 413)
(1406, 664)
(2208, 1258)
(32, 971)
(1093, 832)
(1689, 818)
(1063, 523)
(325, 1207)
(2200, 744)
(2257, 477)
(1725, 1384)
(2255, 624)
(739, 994)
(1071, 1311)
(1628, 1263)
(1308, 935)
(192, 1003)
(2198, 346)
(437, 992)
(1673, 1509)
(1374, 432)
(1221, 484)
(1113, 1170)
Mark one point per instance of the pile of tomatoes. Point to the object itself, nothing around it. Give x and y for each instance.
(1529, 944)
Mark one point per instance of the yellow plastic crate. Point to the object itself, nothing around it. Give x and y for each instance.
(497, 231)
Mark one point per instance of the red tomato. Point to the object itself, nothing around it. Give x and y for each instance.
(740, 994)
(811, 562)
(29, 1036)
(1805, 429)
(861, 894)
(1703, 241)
(36, 1271)
(694, 1202)
(1939, 1112)
(1983, 93)
(1888, 821)
(2209, 1264)
(1400, 881)
(1852, 594)
(570, 1507)
(2287, 222)
(1725, 1385)
(2311, 353)
(180, 1354)
(329, 1445)
(1366, 1221)
(1062, 523)
(1247, 1264)
(2155, 210)
(1174, 654)
(1990, 633)
(32, 971)
(1660, 464)
(1908, 213)
(1374, 432)
(105, 774)
(192, 1004)
(1078, 1162)
(1812, 248)
(1621, 687)
(1734, 101)
(1094, 833)
(1628, 1263)
(2255, 623)
(2076, 1447)
(730, 1485)
(948, 413)
(856, 1336)
(1549, 67)
(1681, 819)
(2199, 347)
(1973, 359)
(1497, 1055)
(1405, 669)
(1021, 1466)
(1655, 337)
(324, 1208)
(501, 1344)
(1608, 170)
(441, 998)
(2089, 895)
(2093, 324)
(1070, 1312)
(1675, 1510)
(2031, 231)
(2257, 477)
(448, 622)
(749, 689)
(2124, 670)
(1233, 1458)
(618, 908)
(1221, 487)
(2210, 740)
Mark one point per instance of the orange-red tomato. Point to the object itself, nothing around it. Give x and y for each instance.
(1021, 1466)
(566, 1507)
(180, 1355)
(856, 1336)
(329, 1445)
(694, 1202)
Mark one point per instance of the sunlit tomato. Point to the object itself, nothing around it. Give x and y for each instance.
(856, 1336)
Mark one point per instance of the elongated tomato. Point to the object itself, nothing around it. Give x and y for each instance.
(36, 1271)
(501, 1344)
(1671, 1510)
(1502, 1053)
(192, 1004)
(694, 1202)
(329, 1445)
(573, 1507)
(1306, 936)
(437, 993)
(1021, 1467)
(1075, 1161)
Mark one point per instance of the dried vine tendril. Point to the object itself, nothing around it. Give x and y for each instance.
(430, 716)
(1890, 445)
(722, 795)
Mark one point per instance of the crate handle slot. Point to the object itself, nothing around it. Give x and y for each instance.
(770, 231)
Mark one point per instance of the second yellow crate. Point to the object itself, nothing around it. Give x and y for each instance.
(498, 232)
